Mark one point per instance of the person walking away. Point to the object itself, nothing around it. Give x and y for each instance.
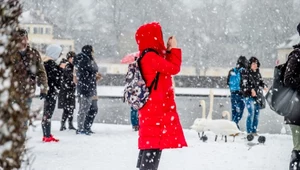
(292, 79)
(66, 96)
(159, 122)
(234, 80)
(86, 71)
(54, 72)
(252, 83)
(134, 119)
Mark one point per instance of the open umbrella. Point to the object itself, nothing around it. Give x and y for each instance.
(130, 58)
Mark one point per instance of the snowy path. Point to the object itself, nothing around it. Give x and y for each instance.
(114, 147)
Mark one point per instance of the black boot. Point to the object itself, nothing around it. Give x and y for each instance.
(63, 120)
(295, 160)
(71, 127)
(63, 126)
(70, 120)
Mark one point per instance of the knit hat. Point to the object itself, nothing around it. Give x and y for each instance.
(298, 28)
(53, 51)
(254, 60)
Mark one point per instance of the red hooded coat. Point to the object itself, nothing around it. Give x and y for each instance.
(160, 127)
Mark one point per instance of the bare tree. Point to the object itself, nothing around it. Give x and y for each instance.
(13, 109)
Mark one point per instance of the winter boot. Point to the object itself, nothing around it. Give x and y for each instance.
(71, 127)
(50, 139)
(63, 126)
(295, 160)
(135, 128)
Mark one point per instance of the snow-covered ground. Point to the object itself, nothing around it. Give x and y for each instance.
(114, 147)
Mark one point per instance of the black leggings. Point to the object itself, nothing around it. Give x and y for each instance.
(49, 106)
(148, 159)
(67, 114)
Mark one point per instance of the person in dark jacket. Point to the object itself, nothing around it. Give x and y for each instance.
(54, 72)
(292, 79)
(252, 85)
(237, 102)
(86, 77)
(66, 96)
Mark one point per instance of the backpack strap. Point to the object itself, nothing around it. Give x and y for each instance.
(155, 81)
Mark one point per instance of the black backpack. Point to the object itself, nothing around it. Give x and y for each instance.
(282, 99)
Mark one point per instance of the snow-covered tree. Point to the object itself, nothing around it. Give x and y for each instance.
(13, 110)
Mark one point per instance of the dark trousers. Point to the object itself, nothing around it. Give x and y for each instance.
(148, 159)
(237, 107)
(88, 109)
(49, 106)
(90, 117)
(67, 115)
(134, 117)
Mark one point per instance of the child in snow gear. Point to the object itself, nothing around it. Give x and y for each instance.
(292, 79)
(234, 79)
(54, 73)
(66, 96)
(159, 122)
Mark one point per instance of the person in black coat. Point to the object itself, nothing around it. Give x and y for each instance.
(66, 96)
(86, 77)
(54, 72)
(292, 79)
(252, 84)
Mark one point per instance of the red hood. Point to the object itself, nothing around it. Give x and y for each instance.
(150, 36)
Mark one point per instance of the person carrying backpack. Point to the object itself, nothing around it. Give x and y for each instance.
(292, 79)
(159, 124)
(234, 82)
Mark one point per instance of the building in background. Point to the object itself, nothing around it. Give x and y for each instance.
(40, 32)
(284, 49)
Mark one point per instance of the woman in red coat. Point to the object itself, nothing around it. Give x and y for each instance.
(159, 122)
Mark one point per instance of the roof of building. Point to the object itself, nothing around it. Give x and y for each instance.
(289, 43)
(30, 17)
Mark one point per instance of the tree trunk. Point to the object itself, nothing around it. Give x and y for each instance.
(13, 109)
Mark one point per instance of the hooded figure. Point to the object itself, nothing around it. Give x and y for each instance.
(159, 122)
(86, 74)
(242, 62)
(234, 80)
(54, 73)
(253, 86)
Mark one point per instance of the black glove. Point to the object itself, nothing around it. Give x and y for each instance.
(43, 96)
